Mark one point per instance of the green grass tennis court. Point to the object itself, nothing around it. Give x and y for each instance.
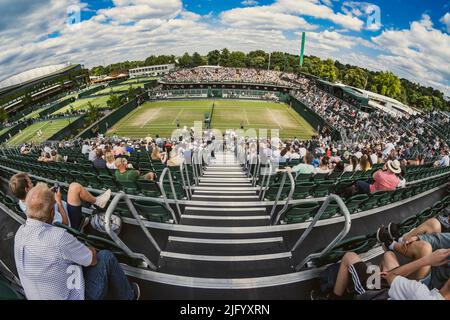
(120, 88)
(82, 104)
(160, 118)
(48, 128)
(2, 131)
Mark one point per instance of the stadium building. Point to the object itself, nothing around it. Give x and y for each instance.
(39, 84)
(223, 219)
(151, 71)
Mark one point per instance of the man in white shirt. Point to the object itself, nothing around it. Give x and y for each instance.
(85, 149)
(402, 288)
(388, 148)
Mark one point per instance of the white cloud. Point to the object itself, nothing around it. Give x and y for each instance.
(420, 53)
(263, 18)
(313, 8)
(249, 3)
(445, 20)
(126, 11)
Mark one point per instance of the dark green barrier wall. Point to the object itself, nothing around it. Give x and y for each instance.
(91, 91)
(67, 131)
(312, 117)
(56, 107)
(109, 120)
(13, 131)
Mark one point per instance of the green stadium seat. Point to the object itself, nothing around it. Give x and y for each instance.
(319, 177)
(129, 187)
(324, 188)
(303, 177)
(354, 203)
(303, 190)
(108, 182)
(7, 292)
(149, 188)
(301, 212)
(153, 212)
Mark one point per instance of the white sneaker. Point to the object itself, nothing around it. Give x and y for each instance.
(103, 199)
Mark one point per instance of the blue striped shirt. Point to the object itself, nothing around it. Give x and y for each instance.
(49, 261)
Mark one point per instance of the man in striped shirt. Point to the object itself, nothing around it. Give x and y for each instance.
(54, 265)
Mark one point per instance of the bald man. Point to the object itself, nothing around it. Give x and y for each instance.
(54, 265)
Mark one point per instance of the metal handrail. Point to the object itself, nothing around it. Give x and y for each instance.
(289, 198)
(266, 187)
(163, 192)
(257, 170)
(335, 241)
(186, 185)
(184, 167)
(117, 240)
(277, 198)
(194, 167)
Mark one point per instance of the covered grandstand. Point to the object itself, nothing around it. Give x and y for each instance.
(33, 86)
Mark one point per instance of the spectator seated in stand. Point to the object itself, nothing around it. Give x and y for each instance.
(126, 174)
(54, 265)
(385, 179)
(68, 213)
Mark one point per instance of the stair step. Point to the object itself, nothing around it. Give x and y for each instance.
(205, 211)
(225, 247)
(227, 267)
(239, 192)
(213, 189)
(225, 221)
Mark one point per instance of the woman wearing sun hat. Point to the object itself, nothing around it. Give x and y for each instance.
(385, 179)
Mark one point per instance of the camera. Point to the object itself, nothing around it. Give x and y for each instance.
(55, 188)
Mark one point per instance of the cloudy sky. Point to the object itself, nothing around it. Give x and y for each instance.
(408, 37)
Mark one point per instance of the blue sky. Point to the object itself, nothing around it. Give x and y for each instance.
(411, 38)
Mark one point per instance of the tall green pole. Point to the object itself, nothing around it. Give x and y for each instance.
(302, 50)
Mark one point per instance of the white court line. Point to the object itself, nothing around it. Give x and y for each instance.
(275, 118)
(178, 116)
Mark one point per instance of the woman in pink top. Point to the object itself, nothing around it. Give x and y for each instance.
(385, 179)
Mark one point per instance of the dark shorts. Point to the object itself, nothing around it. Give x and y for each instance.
(74, 213)
(445, 223)
(358, 274)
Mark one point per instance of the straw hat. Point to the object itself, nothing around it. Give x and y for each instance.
(394, 166)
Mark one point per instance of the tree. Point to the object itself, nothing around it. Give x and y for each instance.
(185, 61)
(324, 69)
(93, 114)
(237, 59)
(224, 60)
(257, 59)
(387, 84)
(278, 61)
(213, 57)
(258, 62)
(425, 102)
(131, 93)
(3, 115)
(197, 60)
(98, 71)
(355, 77)
(114, 101)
